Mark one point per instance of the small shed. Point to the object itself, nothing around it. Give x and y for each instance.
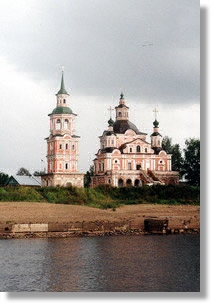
(24, 180)
(155, 225)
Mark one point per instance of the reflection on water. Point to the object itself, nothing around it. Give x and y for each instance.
(125, 263)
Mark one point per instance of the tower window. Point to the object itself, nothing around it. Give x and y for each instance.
(120, 114)
(129, 165)
(145, 150)
(58, 124)
(64, 101)
(73, 147)
(66, 123)
(131, 149)
(66, 165)
(138, 149)
(60, 146)
(66, 146)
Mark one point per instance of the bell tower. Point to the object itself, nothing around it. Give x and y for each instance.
(122, 111)
(62, 143)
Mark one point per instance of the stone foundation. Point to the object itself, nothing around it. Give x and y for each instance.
(64, 180)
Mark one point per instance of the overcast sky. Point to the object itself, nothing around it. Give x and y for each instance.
(148, 48)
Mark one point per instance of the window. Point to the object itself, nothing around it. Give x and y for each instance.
(145, 150)
(73, 147)
(129, 165)
(131, 149)
(66, 165)
(138, 148)
(66, 146)
(64, 101)
(138, 166)
(120, 114)
(66, 124)
(60, 146)
(58, 124)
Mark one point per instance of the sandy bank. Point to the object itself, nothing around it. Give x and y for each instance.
(74, 219)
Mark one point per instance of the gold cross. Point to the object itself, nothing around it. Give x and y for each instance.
(155, 111)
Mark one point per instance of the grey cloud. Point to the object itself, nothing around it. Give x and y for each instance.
(151, 48)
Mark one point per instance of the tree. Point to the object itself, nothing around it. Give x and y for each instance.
(192, 161)
(3, 178)
(88, 176)
(38, 173)
(23, 172)
(174, 149)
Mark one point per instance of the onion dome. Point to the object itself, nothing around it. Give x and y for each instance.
(110, 122)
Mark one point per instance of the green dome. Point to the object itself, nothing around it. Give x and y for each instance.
(61, 110)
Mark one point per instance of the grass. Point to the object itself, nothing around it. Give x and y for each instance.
(104, 197)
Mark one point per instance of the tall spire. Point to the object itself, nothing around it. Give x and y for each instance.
(62, 88)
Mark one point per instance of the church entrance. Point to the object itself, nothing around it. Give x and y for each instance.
(137, 183)
(120, 183)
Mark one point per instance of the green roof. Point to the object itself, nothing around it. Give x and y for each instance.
(61, 110)
(62, 88)
(156, 134)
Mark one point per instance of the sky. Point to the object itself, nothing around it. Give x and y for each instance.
(149, 49)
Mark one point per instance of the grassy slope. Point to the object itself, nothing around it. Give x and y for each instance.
(104, 196)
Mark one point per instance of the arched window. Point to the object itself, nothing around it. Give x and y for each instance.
(64, 101)
(145, 150)
(58, 124)
(129, 182)
(66, 165)
(66, 124)
(138, 148)
(120, 114)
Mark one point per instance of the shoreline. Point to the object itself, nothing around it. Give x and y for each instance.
(45, 220)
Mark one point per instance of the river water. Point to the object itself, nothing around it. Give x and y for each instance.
(152, 263)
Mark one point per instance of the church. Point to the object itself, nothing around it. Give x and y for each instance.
(62, 145)
(125, 158)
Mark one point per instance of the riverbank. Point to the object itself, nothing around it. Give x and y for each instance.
(33, 219)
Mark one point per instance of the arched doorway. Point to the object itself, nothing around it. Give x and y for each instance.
(129, 182)
(69, 184)
(120, 183)
(137, 182)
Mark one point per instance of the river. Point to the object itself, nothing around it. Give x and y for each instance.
(152, 263)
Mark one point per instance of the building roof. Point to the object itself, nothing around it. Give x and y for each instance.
(24, 180)
(61, 110)
(120, 127)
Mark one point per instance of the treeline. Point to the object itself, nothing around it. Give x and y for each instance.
(105, 196)
(186, 161)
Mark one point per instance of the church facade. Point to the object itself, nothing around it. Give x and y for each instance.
(125, 158)
(62, 145)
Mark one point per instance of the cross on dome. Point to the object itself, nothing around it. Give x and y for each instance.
(110, 109)
(155, 111)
